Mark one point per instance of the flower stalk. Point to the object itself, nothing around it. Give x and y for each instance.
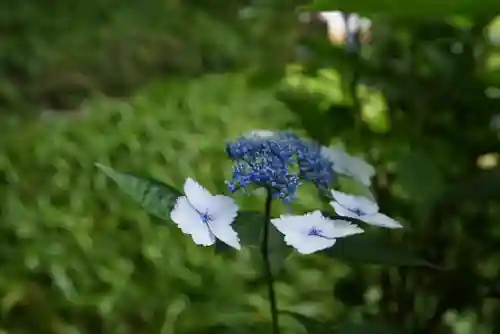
(267, 264)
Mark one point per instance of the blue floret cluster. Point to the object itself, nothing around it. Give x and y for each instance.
(279, 163)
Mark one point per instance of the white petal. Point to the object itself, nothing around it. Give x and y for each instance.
(225, 233)
(223, 206)
(361, 170)
(345, 164)
(288, 224)
(343, 211)
(382, 220)
(199, 197)
(189, 221)
(315, 215)
(333, 228)
(353, 203)
(312, 244)
(297, 236)
(298, 224)
(337, 156)
(337, 228)
(296, 230)
(223, 212)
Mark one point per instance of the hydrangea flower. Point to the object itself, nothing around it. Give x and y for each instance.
(348, 165)
(278, 161)
(204, 216)
(313, 232)
(362, 208)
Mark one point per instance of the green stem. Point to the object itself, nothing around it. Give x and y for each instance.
(267, 264)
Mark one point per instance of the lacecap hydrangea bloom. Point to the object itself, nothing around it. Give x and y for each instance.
(279, 162)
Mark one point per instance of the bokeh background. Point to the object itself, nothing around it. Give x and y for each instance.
(157, 87)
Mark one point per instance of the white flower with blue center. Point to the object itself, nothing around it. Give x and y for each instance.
(350, 166)
(362, 208)
(204, 216)
(313, 232)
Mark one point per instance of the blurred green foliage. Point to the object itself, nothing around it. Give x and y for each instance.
(55, 54)
(79, 257)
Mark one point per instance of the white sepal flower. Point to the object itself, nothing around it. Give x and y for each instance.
(204, 216)
(313, 232)
(362, 208)
(345, 164)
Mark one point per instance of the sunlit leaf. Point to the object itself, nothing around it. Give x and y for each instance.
(374, 109)
(155, 197)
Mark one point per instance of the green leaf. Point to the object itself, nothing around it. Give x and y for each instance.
(366, 248)
(418, 8)
(155, 197)
(312, 325)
